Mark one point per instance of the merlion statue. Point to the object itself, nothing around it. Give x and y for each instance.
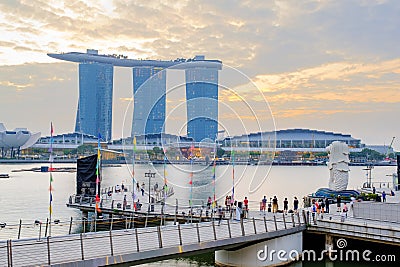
(338, 165)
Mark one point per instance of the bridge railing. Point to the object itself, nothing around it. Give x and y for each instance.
(41, 229)
(83, 246)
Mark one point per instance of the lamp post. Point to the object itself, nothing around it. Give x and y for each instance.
(149, 175)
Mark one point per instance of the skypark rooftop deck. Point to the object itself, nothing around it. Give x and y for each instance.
(123, 61)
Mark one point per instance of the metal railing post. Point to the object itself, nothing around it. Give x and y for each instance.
(83, 255)
(265, 224)
(229, 229)
(112, 222)
(284, 220)
(40, 230)
(180, 234)
(9, 253)
(70, 226)
(159, 237)
(254, 225)
(242, 226)
(298, 218)
(276, 225)
(48, 251)
(111, 244)
(19, 228)
(215, 233)
(294, 224)
(198, 232)
(137, 239)
(47, 226)
(145, 222)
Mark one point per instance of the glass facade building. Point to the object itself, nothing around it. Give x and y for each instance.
(94, 114)
(202, 103)
(149, 97)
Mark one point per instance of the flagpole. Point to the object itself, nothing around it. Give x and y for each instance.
(233, 174)
(51, 175)
(165, 177)
(191, 179)
(133, 174)
(214, 167)
(97, 180)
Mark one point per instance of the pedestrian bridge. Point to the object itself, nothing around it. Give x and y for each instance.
(140, 245)
(363, 229)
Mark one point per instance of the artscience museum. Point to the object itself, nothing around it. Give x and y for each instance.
(13, 141)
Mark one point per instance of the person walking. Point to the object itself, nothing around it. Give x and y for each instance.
(275, 204)
(285, 205)
(383, 196)
(295, 205)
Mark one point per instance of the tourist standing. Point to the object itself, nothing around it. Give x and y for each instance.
(327, 205)
(338, 203)
(246, 206)
(142, 188)
(383, 196)
(270, 204)
(285, 205)
(275, 204)
(263, 204)
(209, 201)
(124, 203)
(322, 204)
(220, 214)
(345, 209)
(295, 205)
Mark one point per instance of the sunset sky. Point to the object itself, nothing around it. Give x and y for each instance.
(325, 65)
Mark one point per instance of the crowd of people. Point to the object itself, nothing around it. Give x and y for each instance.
(232, 207)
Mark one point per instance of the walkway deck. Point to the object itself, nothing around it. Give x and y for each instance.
(370, 230)
(135, 246)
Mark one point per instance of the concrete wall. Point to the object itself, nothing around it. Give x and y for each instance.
(381, 211)
(260, 254)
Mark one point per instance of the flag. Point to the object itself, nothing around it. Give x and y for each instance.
(51, 159)
(134, 143)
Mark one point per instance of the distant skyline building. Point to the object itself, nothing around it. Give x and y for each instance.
(94, 113)
(202, 103)
(149, 98)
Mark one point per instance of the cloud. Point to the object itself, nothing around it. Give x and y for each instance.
(310, 58)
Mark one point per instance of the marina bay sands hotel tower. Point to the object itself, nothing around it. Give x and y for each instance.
(94, 113)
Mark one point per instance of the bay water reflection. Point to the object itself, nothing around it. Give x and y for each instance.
(25, 195)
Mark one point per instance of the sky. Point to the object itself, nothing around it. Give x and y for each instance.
(325, 65)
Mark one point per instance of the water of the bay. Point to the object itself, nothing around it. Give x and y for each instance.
(25, 195)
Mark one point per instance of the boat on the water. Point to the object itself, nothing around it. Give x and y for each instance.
(4, 175)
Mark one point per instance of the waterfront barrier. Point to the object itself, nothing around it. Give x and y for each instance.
(138, 245)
